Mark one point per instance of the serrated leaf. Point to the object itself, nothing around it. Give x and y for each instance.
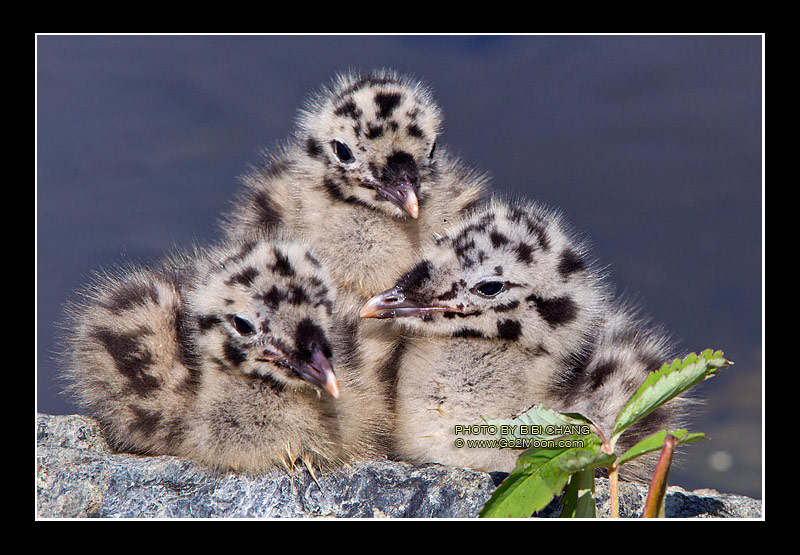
(539, 476)
(525, 494)
(541, 418)
(664, 384)
(655, 442)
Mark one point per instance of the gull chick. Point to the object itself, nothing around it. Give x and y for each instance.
(232, 356)
(362, 180)
(506, 311)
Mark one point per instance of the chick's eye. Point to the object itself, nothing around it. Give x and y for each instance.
(489, 288)
(242, 326)
(342, 152)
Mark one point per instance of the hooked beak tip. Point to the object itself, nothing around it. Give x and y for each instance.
(332, 387)
(393, 303)
(366, 312)
(380, 306)
(402, 195)
(412, 204)
(324, 376)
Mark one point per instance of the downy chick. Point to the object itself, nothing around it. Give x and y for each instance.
(225, 356)
(362, 180)
(503, 312)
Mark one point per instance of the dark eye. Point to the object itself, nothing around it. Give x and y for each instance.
(489, 288)
(433, 149)
(342, 152)
(243, 326)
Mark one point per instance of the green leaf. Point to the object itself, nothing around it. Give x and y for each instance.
(655, 442)
(664, 384)
(524, 492)
(520, 495)
(540, 423)
(540, 475)
(570, 454)
(578, 499)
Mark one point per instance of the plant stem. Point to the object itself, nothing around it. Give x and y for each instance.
(613, 486)
(654, 504)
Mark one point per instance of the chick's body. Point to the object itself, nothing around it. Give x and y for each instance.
(232, 356)
(506, 312)
(362, 180)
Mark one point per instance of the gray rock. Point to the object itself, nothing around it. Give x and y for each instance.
(78, 475)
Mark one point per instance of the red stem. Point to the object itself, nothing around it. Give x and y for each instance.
(654, 504)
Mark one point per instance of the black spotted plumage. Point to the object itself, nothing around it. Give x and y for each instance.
(543, 328)
(228, 356)
(387, 102)
(366, 213)
(556, 311)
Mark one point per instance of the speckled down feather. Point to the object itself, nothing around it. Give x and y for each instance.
(224, 356)
(505, 311)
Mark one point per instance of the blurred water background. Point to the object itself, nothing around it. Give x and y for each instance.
(651, 146)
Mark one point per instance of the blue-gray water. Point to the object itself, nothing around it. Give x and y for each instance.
(651, 146)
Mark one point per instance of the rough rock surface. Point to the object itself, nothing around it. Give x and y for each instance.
(78, 475)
